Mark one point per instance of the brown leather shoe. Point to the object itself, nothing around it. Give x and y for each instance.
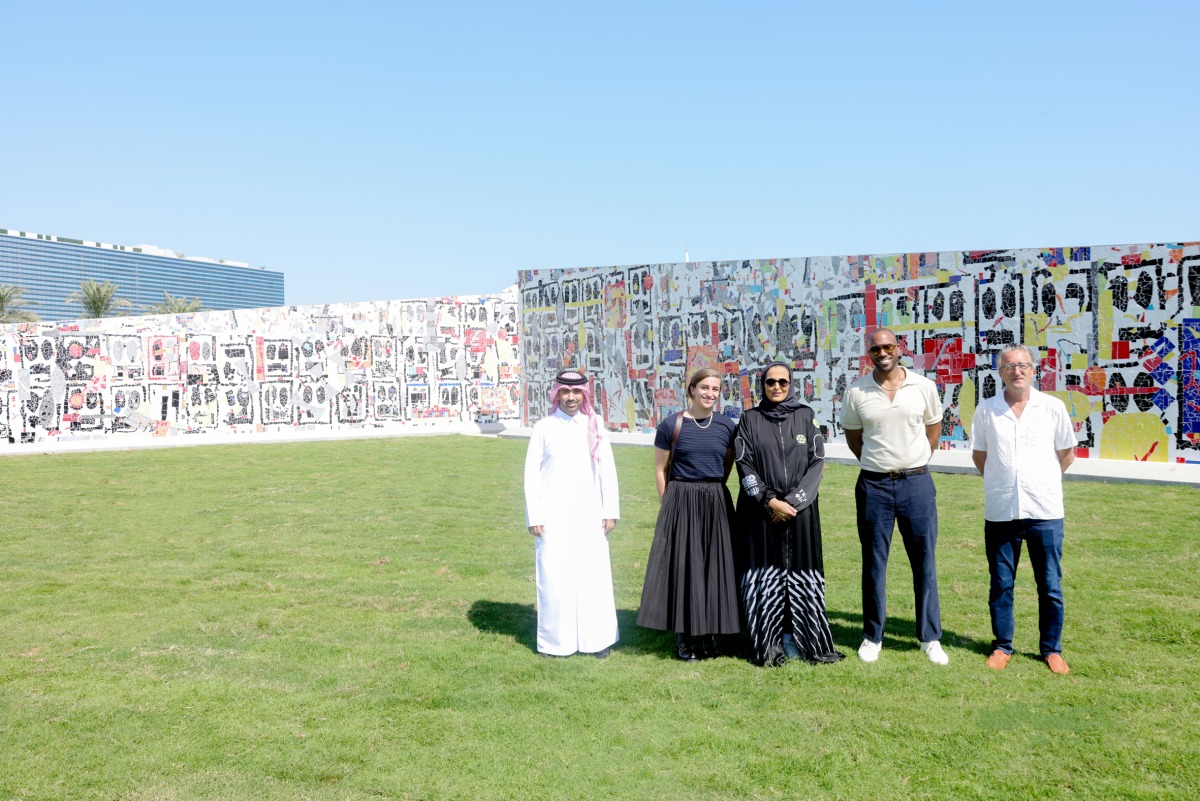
(1057, 664)
(998, 660)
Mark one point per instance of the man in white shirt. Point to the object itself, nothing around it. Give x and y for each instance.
(571, 504)
(1022, 442)
(893, 422)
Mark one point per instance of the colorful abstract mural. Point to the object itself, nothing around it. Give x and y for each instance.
(1116, 330)
(385, 365)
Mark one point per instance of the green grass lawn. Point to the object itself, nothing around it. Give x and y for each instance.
(354, 620)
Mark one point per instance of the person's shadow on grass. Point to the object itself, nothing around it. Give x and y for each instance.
(519, 621)
(901, 634)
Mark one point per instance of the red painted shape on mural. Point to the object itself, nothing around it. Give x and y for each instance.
(1120, 349)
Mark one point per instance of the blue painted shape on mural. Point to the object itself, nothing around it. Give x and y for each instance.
(1190, 423)
(1081, 254)
(1189, 334)
(1162, 347)
(672, 355)
(858, 321)
(1163, 399)
(1053, 258)
(1163, 373)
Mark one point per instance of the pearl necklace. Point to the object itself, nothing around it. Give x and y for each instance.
(697, 422)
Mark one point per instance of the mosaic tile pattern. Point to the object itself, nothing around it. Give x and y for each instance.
(1116, 330)
(393, 364)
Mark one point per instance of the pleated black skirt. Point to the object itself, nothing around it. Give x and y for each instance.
(690, 583)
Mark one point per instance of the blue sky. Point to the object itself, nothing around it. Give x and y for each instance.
(395, 150)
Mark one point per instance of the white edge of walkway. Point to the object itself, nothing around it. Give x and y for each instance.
(959, 461)
(949, 461)
(115, 443)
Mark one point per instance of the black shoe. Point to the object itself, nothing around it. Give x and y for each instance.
(708, 647)
(684, 649)
(826, 659)
(602, 654)
(774, 657)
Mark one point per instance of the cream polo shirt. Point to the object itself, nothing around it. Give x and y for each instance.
(893, 430)
(1022, 479)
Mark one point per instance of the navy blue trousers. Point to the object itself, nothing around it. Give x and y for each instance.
(1002, 540)
(911, 503)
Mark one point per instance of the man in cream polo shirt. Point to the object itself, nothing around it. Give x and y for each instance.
(893, 421)
(1022, 441)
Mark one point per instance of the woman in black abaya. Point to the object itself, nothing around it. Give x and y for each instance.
(780, 460)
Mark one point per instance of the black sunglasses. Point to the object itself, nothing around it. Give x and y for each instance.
(783, 382)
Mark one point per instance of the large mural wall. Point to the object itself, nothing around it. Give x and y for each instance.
(1116, 330)
(389, 365)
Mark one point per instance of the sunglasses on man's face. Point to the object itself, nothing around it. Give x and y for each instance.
(777, 382)
(886, 347)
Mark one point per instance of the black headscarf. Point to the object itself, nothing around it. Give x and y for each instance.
(778, 412)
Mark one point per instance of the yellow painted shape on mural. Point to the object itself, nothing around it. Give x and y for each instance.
(1137, 435)
(1059, 272)
(581, 337)
(1079, 405)
(1035, 330)
(943, 276)
(779, 304)
(927, 326)
(1104, 324)
(630, 412)
(966, 404)
(580, 304)
(1078, 361)
(829, 310)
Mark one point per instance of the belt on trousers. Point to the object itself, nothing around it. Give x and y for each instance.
(915, 471)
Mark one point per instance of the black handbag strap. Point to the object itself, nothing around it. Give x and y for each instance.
(674, 442)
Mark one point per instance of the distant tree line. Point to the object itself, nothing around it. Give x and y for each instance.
(95, 299)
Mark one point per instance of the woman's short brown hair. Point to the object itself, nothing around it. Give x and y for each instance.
(698, 376)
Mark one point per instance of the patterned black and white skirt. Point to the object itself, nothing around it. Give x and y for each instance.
(690, 583)
(783, 587)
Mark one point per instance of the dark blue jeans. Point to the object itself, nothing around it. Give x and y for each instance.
(911, 503)
(1002, 541)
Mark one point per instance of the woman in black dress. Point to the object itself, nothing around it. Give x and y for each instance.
(780, 459)
(690, 582)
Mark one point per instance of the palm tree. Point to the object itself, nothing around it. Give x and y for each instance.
(173, 305)
(99, 300)
(11, 303)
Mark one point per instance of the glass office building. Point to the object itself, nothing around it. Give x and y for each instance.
(49, 268)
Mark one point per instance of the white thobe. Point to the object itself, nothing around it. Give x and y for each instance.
(570, 497)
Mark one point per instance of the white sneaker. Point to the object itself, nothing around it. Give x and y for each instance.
(933, 650)
(869, 651)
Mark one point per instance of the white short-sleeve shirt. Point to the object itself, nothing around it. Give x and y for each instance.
(893, 429)
(1022, 479)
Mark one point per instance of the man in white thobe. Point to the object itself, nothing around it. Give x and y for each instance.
(571, 505)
